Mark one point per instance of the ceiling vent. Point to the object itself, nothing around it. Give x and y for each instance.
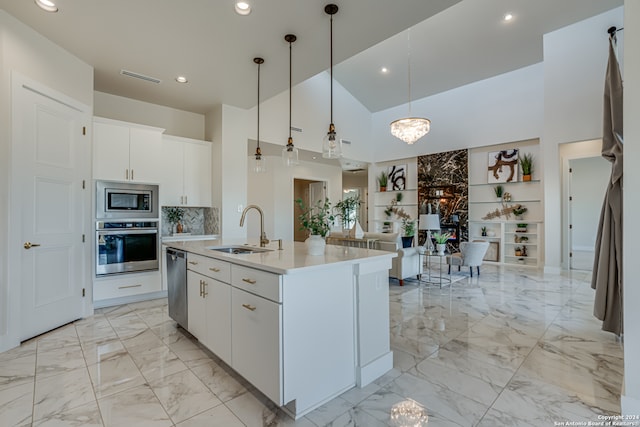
(140, 76)
(345, 141)
(295, 129)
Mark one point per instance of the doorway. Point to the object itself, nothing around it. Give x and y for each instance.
(588, 180)
(310, 192)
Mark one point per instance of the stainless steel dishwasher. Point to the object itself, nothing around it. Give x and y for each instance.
(177, 286)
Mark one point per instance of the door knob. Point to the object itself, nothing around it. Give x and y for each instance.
(29, 245)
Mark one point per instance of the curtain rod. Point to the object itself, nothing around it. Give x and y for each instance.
(613, 30)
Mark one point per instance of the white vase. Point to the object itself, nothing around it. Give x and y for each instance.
(356, 231)
(441, 247)
(315, 244)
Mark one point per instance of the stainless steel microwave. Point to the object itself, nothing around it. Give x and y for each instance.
(124, 200)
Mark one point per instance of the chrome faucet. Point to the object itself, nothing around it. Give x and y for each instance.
(263, 236)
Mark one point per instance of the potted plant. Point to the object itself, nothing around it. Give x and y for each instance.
(518, 251)
(441, 241)
(174, 216)
(391, 207)
(499, 190)
(521, 228)
(518, 211)
(408, 231)
(347, 210)
(383, 180)
(484, 231)
(526, 164)
(317, 221)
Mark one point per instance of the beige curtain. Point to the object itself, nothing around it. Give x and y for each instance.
(607, 266)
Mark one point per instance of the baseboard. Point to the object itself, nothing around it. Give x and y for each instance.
(552, 269)
(127, 300)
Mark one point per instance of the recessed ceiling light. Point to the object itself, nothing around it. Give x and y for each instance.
(508, 16)
(243, 8)
(384, 70)
(314, 157)
(181, 79)
(47, 5)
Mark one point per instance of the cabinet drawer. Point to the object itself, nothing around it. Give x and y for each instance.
(267, 285)
(210, 267)
(126, 285)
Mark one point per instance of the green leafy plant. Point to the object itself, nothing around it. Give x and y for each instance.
(441, 238)
(499, 190)
(392, 207)
(526, 163)
(523, 225)
(316, 219)
(346, 208)
(174, 214)
(383, 179)
(519, 210)
(408, 227)
(484, 230)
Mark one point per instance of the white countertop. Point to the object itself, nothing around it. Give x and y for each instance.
(291, 259)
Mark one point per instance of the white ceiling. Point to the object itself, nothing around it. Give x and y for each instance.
(453, 43)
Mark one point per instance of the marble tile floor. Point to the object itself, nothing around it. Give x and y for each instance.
(512, 347)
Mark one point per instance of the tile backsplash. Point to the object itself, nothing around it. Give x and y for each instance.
(195, 221)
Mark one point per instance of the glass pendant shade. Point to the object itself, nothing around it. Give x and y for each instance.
(331, 144)
(290, 154)
(260, 162)
(410, 129)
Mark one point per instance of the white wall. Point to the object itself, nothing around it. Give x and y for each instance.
(501, 109)
(311, 112)
(273, 192)
(175, 122)
(631, 394)
(24, 51)
(575, 59)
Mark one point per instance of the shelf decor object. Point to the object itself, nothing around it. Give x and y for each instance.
(410, 129)
(398, 177)
(526, 163)
(260, 163)
(290, 152)
(331, 144)
(503, 166)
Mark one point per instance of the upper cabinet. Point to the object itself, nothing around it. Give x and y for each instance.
(186, 178)
(126, 151)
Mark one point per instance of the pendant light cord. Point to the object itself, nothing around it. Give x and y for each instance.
(409, 66)
(290, 77)
(258, 108)
(331, 62)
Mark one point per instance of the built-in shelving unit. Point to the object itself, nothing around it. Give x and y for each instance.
(382, 199)
(502, 230)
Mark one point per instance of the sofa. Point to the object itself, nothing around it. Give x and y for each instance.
(406, 264)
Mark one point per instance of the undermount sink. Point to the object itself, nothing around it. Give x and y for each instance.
(238, 250)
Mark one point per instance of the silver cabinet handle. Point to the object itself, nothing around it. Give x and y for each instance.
(126, 174)
(193, 263)
(132, 174)
(215, 270)
(249, 307)
(129, 286)
(200, 287)
(29, 245)
(249, 281)
(204, 289)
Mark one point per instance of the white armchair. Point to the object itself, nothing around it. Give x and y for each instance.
(406, 264)
(470, 255)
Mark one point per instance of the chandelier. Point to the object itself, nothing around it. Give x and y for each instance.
(410, 129)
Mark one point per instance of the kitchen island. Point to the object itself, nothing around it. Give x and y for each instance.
(302, 329)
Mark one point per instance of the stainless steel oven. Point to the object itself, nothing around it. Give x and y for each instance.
(126, 246)
(126, 201)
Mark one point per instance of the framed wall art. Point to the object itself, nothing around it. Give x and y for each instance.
(503, 166)
(397, 177)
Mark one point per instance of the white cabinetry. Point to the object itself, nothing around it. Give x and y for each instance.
(107, 291)
(209, 302)
(186, 179)
(383, 199)
(125, 151)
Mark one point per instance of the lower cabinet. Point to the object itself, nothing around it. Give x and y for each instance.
(256, 342)
(125, 286)
(209, 303)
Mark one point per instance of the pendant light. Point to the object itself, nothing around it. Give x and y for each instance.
(260, 165)
(290, 152)
(410, 129)
(331, 144)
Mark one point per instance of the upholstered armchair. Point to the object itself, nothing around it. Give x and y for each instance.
(470, 255)
(406, 264)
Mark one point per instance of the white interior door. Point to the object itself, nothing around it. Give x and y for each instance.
(587, 184)
(51, 159)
